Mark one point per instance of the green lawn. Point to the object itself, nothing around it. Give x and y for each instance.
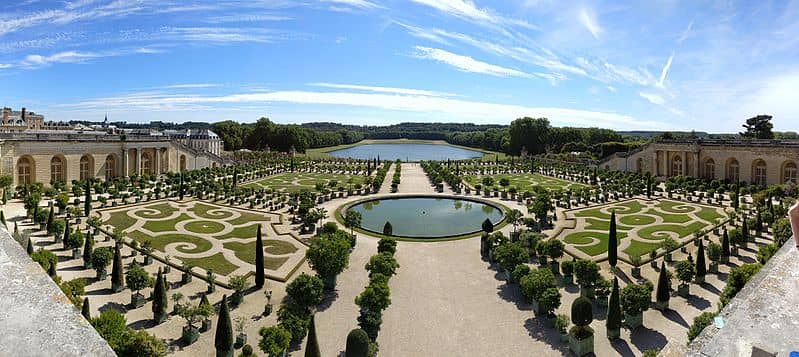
(241, 232)
(164, 211)
(526, 182)
(204, 227)
(165, 226)
(584, 237)
(298, 181)
(638, 248)
(201, 210)
(217, 262)
(246, 252)
(193, 244)
(655, 232)
(120, 220)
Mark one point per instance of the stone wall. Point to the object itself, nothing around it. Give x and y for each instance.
(36, 318)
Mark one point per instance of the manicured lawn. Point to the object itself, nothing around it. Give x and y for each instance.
(298, 181)
(241, 232)
(201, 210)
(603, 225)
(638, 248)
(628, 207)
(525, 182)
(670, 217)
(193, 244)
(246, 252)
(247, 217)
(709, 214)
(165, 226)
(120, 220)
(637, 220)
(585, 238)
(205, 227)
(656, 232)
(675, 207)
(217, 262)
(164, 210)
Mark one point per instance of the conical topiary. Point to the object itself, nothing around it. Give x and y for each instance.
(259, 259)
(88, 246)
(388, 229)
(312, 346)
(613, 244)
(223, 340)
(159, 298)
(725, 247)
(86, 310)
(613, 322)
(357, 344)
(663, 294)
(117, 276)
(701, 267)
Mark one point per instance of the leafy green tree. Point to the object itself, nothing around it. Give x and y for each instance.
(613, 244)
(223, 340)
(586, 272)
(370, 321)
(358, 344)
(142, 344)
(382, 263)
(312, 345)
(509, 255)
(45, 258)
(305, 290)
(329, 255)
(582, 316)
(613, 322)
(376, 296)
(700, 322)
(685, 271)
(352, 220)
(530, 134)
(758, 127)
(112, 327)
(293, 319)
(74, 240)
(552, 248)
(137, 278)
(537, 282)
(101, 257)
(635, 298)
(274, 340)
(549, 300)
(259, 260)
(387, 245)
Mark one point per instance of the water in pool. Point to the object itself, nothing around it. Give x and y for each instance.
(407, 152)
(426, 217)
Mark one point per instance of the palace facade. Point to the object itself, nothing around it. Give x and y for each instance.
(29, 152)
(760, 162)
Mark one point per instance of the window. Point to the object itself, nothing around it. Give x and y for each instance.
(85, 167)
(110, 167)
(759, 173)
(24, 171)
(789, 172)
(732, 170)
(676, 166)
(57, 169)
(710, 169)
(146, 163)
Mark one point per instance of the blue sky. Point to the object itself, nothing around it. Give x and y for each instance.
(652, 65)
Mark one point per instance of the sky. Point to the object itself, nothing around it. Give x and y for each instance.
(639, 65)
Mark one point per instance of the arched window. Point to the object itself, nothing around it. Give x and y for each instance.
(676, 166)
(86, 167)
(110, 167)
(182, 162)
(710, 169)
(789, 172)
(732, 170)
(639, 165)
(57, 169)
(25, 170)
(759, 176)
(146, 163)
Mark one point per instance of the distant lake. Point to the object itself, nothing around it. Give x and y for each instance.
(407, 152)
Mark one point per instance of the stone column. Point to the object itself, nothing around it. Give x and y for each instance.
(156, 161)
(655, 167)
(685, 163)
(138, 161)
(124, 171)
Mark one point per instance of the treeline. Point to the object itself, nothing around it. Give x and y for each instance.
(533, 136)
(264, 134)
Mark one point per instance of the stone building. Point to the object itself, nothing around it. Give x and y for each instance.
(199, 139)
(65, 156)
(761, 162)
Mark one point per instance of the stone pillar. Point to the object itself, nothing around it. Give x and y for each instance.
(655, 164)
(685, 163)
(156, 161)
(698, 165)
(138, 161)
(124, 171)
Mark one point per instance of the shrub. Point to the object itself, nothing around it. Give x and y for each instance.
(387, 245)
(700, 322)
(714, 252)
(274, 340)
(586, 272)
(635, 298)
(382, 263)
(537, 282)
(357, 344)
(519, 272)
(45, 258)
(685, 271)
(509, 255)
(736, 281)
(582, 315)
(765, 252)
(305, 290)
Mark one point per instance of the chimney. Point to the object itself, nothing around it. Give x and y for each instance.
(5, 116)
(24, 118)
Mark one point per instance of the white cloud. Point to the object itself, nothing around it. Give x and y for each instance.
(192, 85)
(589, 22)
(430, 105)
(466, 63)
(394, 90)
(467, 10)
(248, 18)
(60, 57)
(360, 4)
(612, 89)
(665, 70)
(686, 33)
(6, 65)
(653, 98)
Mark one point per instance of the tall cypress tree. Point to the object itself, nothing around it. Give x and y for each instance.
(88, 247)
(67, 230)
(312, 346)
(159, 299)
(86, 310)
(29, 246)
(701, 267)
(87, 204)
(259, 260)
(223, 340)
(613, 244)
(758, 224)
(3, 218)
(745, 231)
(50, 218)
(663, 294)
(725, 247)
(613, 322)
(180, 186)
(117, 276)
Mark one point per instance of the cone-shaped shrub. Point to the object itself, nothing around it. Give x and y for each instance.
(725, 244)
(88, 246)
(223, 340)
(388, 229)
(117, 276)
(701, 267)
(357, 344)
(259, 260)
(613, 244)
(663, 294)
(613, 321)
(86, 310)
(312, 346)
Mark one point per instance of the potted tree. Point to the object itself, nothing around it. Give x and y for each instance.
(147, 249)
(636, 262)
(602, 290)
(509, 255)
(669, 245)
(635, 299)
(587, 274)
(535, 284)
(239, 284)
(101, 257)
(187, 275)
(701, 268)
(714, 254)
(137, 279)
(192, 315)
(562, 325)
(652, 255)
(567, 267)
(211, 279)
(205, 311)
(613, 321)
(685, 273)
(241, 338)
(74, 241)
(581, 336)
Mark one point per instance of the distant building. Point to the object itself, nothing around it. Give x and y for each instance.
(32, 150)
(759, 162)
(198, 139)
